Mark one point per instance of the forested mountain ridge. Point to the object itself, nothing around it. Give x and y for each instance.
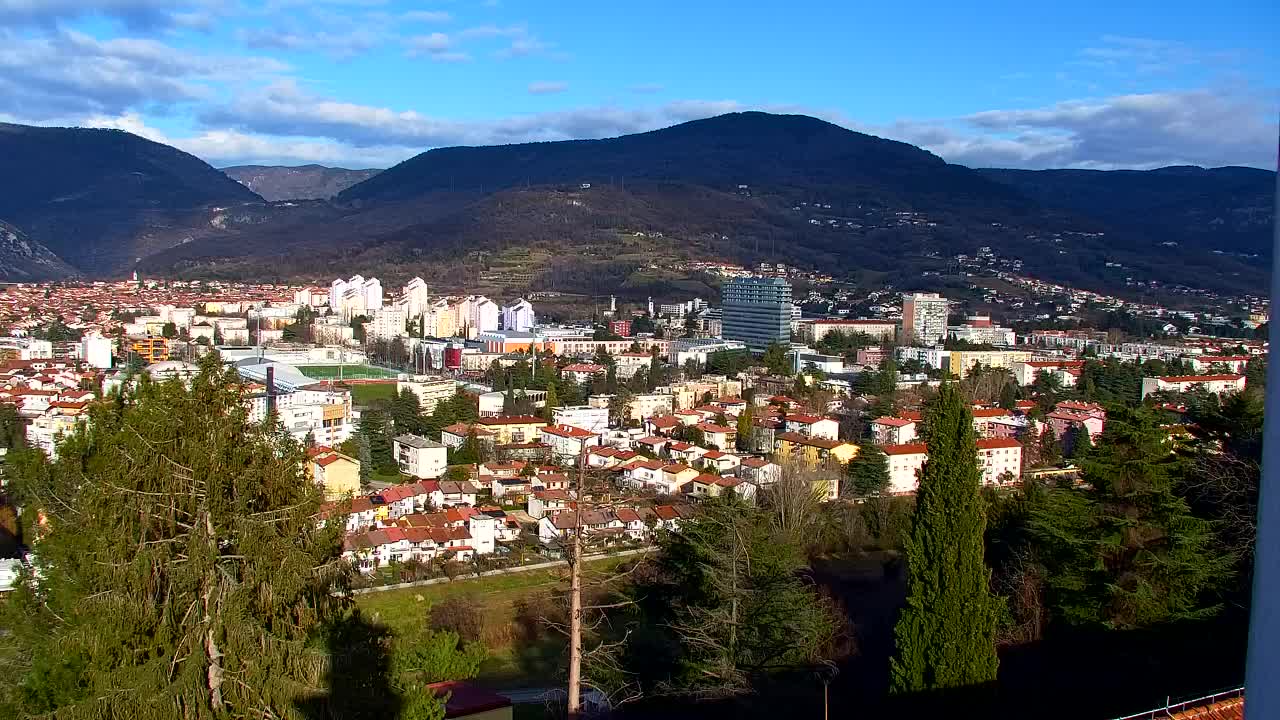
(302, 182)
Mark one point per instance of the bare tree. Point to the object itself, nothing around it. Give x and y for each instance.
(796, 498)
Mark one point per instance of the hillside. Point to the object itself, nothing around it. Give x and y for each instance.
(101, 198)
(1228, 209)
(23, 260)
(303, 182)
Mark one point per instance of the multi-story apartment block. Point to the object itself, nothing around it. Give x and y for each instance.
(757, 312)
(924, 318)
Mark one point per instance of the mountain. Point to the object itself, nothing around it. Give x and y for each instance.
(23, 260)
(100, 199)
(303, 182)
(1227, 209)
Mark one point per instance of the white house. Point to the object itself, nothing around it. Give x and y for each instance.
(1215, 384)
(813, 426)
(589, 418)
(567, 442)
(420, 457)
(999, 459)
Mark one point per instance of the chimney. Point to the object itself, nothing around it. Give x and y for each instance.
(271, 389)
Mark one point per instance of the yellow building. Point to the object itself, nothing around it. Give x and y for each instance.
(514, 429)
(337, 474)
(151, 349)
(961, 362)
(812, 450)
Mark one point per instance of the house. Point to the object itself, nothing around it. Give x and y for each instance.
(598, 526)
(645, 405)
(675, 475)
(542, 502)
(1225, 363)
(661, 424)
(1000, 460)
(446, 493)
(718, 436)
(454, 435)
(633, 524)
(567, 442)
(759, 471)
(1213, 384)
(1026, 372)
(763, 434)
(1070, 414)
(582, 372)
(720, 462)
(643, 472)
(419, 457)
(337, 475)
(685, 453)
(813, 426)
(711, 485)
(509, 429)
(652, 445)
(987, 421)
(893, 430)
(814, 451)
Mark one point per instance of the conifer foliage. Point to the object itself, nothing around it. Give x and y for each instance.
(182, 572)
(946, 633)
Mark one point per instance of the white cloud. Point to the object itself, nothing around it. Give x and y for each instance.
(341, 45)
(134, 14)
(426, 16)
(437, 46)
(547, 87)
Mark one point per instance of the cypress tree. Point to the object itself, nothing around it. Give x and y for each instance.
(946, 632)
(868, 472)
(182, 570)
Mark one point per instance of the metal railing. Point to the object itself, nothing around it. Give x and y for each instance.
(1170, 708)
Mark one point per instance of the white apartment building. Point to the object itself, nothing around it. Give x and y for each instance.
(484, 314)
(586, 417)
(979, 330)
(815, 330)
(924, 318)
(95, 350)
(682, 350)
(645, 405)
(416, 297)
(356, 296)
(1215, 384)
(323, 412)
(567, 442)
(422, 458)
(386, 324)
(519, 316)
(999, 459)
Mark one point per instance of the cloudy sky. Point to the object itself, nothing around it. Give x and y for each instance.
(367, 83)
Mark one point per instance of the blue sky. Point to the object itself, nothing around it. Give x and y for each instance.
(370, 82)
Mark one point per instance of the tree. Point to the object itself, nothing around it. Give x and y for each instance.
(726, 606)
(1126, 551)
(183, 572)
(365, 455)
(1079, 442)
(374, 428)
(357, 328)
(169, 330)
(12, 435)
(1009, 396)
(746, 429)
(1049, 450)
(775, 359)
(471, 451)
(406, 412)
(946, 633)
(867, 472)
(552, 401)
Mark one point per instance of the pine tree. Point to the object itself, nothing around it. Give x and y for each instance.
(365, 456)
(946, 633)
(1009, 396)
(1127, 551)
(182, 571)
(868, 472)
(746, 429)
(1049, 449)
(552, 401)
(1079, 442)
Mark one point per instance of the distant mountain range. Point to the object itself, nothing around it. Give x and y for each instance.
(302, 182)
(619, 214)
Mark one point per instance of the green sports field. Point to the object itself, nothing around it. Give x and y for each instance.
(353, 372)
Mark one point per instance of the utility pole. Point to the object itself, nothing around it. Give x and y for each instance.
(574, 703)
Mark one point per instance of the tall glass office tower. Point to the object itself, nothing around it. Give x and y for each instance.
(757, 311)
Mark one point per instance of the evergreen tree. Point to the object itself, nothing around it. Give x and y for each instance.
(508, 398)
(1126, 551)
(552, 401)
(1049, 450)
(471, 451)
(1079, 442)
(365, 456)
(1009, 396)
(746, 429)
(374, 427)
(946, 632)
(182, 571)
(775, 359)
(406, 412)
(867, 472)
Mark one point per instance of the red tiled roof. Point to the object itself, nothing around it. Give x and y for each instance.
(994, 443)
(568, 431)
(512, 420)
(893, 422)
(1198, 378)
(990, 412)
(907, 449)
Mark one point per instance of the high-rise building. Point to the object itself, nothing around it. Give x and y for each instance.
(518, 316)
(96, 350)
(757, 312)
(354, 297)
(924, 318)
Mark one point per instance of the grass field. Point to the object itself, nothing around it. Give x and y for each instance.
(355, 372)
(363, 394)
(511, 663)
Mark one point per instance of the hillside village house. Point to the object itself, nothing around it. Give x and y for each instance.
(718, 462)
(582, 372)
(1070, 413)
(598, 526)
(894, 430)
(337, 475)
(760, 471)
(813, 426)
(1027, 371)
(814, 451)
(455, 435)
(567, 443)
(998, 458)
(645, 405)
(419, 457)
(711, 485)
(1215, 384)
(543, 502)
(718, 436)
(508, 429)
(1227, 363)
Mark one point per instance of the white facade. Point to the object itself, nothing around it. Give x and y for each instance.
(924, 318)
(683, 350)
(356, 296)
(422, 458)
(484, 314)
(999, 459)
(96, 350)
(1216, 384)
(586, 417)
(991, 334)
(386, 324)
(519, 316)
(323, 414)
(416, 297)
(430, 390)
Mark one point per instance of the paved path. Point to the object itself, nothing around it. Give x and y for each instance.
(490, 573)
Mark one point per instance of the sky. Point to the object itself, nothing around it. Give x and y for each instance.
(368, 83)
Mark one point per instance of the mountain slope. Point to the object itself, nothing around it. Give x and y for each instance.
(23, 260)
(787, 154)
(303, 182)
(1228, 209)
(101, 198)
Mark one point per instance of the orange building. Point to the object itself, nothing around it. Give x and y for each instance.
(152, 349)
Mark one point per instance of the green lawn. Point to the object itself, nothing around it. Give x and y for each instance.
(364, 394)
(355, 372)
(511, 663)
